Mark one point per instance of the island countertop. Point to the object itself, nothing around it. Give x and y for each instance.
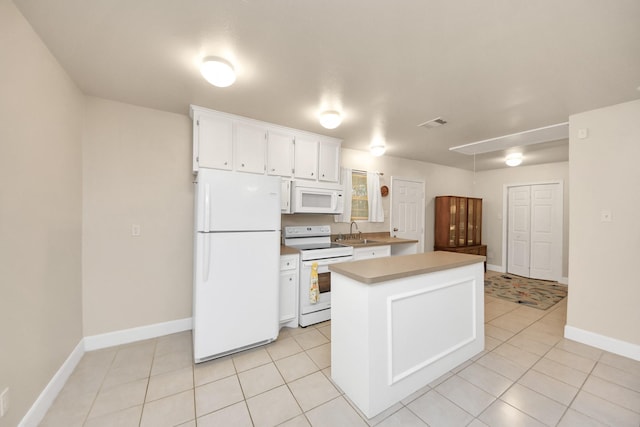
(371, 271)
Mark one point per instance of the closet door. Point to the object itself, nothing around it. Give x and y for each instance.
(519, 230)
(534, 230)
(546, 237)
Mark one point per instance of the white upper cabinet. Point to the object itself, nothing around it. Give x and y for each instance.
(250, 148)
(329, 161)
(279, 153)
(230, 142)
(306, 157)
(213, 142)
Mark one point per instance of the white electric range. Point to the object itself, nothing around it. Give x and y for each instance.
(315, 245)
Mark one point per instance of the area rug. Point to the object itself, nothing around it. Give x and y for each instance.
(540, 294)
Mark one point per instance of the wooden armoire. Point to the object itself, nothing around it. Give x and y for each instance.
(458, 225)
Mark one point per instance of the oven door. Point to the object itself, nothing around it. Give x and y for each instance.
(324, 284)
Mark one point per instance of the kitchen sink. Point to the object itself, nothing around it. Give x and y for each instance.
(352, 242)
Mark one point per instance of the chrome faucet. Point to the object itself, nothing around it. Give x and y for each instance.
(351, 229)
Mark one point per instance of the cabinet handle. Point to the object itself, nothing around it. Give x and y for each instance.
(243, 165)
(225, 163)
(311, 173)
(273, 170)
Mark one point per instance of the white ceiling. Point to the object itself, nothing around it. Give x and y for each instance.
(490, 68)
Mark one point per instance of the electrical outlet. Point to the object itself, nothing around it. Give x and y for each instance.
(4, 402)
(135, 230)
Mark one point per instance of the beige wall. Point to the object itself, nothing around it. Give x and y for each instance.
(137, 170)
(438, 179)
(604, 292)
(490, 187)
(40, 214)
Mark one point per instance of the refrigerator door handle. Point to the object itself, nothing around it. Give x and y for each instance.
(207, 207)
(205, 258)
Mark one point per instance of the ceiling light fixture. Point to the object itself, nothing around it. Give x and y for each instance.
(330, 119)
(218, 71)
(513, 159)
(377, 148)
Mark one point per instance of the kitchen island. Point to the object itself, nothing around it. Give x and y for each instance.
(399, 323)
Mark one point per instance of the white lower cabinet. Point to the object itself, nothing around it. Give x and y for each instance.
(371, 252)
(289, 290)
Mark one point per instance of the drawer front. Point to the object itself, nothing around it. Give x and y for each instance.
(288, 262)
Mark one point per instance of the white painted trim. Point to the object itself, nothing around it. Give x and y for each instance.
(44, 401)
(564, 281)
(602, 342)
(125, 336)
(498, 268)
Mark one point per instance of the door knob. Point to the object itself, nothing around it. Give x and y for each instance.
(395, 229)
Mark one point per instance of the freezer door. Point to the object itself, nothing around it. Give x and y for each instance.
(236, 293)
(231, 201)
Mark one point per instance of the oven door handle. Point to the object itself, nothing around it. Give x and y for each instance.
(325, 262)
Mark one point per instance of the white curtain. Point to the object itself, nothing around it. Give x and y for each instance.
(376, 213)
(345, 178)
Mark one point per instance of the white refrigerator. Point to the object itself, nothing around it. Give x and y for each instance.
(237, 253)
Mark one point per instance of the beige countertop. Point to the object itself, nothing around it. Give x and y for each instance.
(288, 250)
(373, 239)
(378, 270)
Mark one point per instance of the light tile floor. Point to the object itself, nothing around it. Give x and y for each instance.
(528, 375)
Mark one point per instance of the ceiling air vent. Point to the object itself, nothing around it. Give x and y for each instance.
(433, 123)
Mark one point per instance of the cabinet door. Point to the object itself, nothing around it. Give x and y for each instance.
(371, 252)
(329, 161)
(279, 154)
(285, 196)
(461, 221)
(214, 142)
(250, 148)
(305, 156)
(288, 296)
(474, 222)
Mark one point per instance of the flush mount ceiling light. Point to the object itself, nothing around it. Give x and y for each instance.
(218, 71)
(330, 119)
(513, 159)
(377, 148)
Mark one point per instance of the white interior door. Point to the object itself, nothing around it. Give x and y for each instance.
(407, 209)
(519, 234)
(534, 236)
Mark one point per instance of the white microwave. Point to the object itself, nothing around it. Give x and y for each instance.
(318, 200)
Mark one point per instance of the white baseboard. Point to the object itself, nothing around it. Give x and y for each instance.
(602, 342)
(564, 281)
(497, 268)
(125, 336)
(42, 404)
(95, 342)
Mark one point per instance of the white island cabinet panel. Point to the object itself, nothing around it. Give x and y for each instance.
(393, 337)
